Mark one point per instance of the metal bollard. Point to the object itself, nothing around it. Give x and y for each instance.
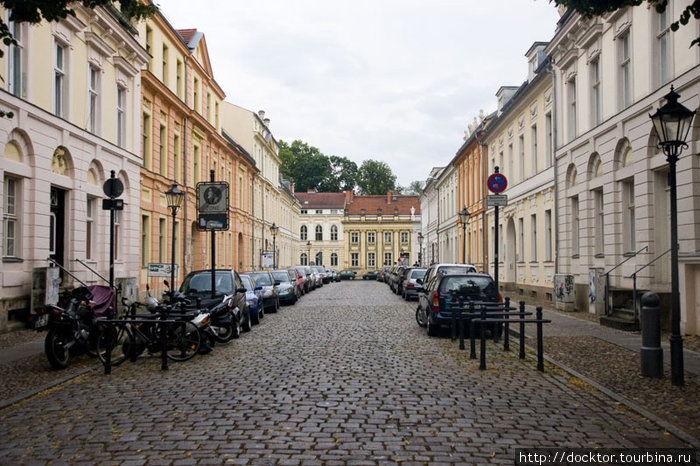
(163, 341)
(482, 334)
(652, 353)
(472, 332)
(453, 321)
(461, 323)
(522, 330)
(506, 327)
(540, 343)
(108, 355)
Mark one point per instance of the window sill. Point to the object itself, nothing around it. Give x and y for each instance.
(576, 256)
(10, 260)
(600, 255)
(629, 254)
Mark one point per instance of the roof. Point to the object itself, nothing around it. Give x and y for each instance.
(404, 203)
(187, 36)
(314, 200)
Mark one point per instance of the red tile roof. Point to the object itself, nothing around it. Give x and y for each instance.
(187, 34)
(315, 200)
(386, 203)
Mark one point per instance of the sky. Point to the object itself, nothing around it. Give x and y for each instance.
(396, 81)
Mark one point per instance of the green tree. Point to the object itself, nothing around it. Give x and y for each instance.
(590, 8)
(415, 187)
(344, 174)
(305, 166)
(375, 177)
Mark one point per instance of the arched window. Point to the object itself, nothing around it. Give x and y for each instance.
(319, 258)
(304, 259)
(334, 233)
(334, 260)
(319, 233)
(303, 233)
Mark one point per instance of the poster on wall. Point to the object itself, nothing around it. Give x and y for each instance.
(564, 288)
(267, 260)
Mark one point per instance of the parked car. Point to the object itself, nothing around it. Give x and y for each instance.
(315, 277)
(271, 299)
(390, 276)
(370, 275)
(321, 271)
(397, 277)
(286, 287)
(347, 275)
(381, 276)
(197, 286)
(308, 281)
(254, 298)
(435, 302)
(446, 268)
(410, 286)
(298, 278)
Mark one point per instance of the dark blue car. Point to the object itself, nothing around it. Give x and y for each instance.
(254, 298)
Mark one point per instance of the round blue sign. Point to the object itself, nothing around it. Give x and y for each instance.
(497, 183)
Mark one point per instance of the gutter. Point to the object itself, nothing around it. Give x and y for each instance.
(184, 183)
(556, 168)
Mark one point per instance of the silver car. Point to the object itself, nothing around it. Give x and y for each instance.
(410, 286)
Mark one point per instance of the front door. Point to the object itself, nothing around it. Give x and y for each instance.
(57, 222)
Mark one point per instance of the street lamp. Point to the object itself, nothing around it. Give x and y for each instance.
(274, 229)
(463, 218)
(308, 257)
(420, 249)
(672, 124)
(174, 197)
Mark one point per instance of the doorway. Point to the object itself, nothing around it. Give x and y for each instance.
(57, 222)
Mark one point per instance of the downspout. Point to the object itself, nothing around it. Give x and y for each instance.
(554, 163)
(185, 242)
(437, 228)
(252, 232)
(485, 244)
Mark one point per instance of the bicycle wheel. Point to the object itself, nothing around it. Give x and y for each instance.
(183, 340)
(120, 341)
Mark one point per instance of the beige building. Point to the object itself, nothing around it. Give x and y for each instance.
(380, 230)
(518, 141)
(74, 88)
(321, 237)
(611, 73)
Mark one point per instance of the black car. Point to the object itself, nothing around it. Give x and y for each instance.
(435, 302)
(197, 287)
(271, 299)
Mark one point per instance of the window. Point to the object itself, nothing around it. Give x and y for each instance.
(319, 258)
(319, 211)
(521, 163)
(371, 237)
(598, 206)
(334, 259)
(371, 259)
(533, 238)
(533, 149)
(521, 240)
(163, 150)
(146, 141)
(216, 115)
(596, 109)
(387, 258)
(630, 242)
(195, 96)
(208, 109)
(162, 241)
(164, 65)
(304, 211)
(149, 45)
(387, 236)
(178, 78)
(510, 161)
(404, 237)
(625, 78)
(571, 92)
(195, 164)
(304, 259)
(548, 156)
(575, 227)
(89, 227)
(548, 235)
(10, 217)
(354, 259)
(176, 158)
(121, 116)
(145, 240)
(663, 38)
(319, 233)
(303, 233)
(334, 233)
(59, 80)
(355, 237)
(16, 61)
(94, 99)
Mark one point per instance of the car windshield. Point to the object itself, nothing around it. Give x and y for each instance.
(281, 276)
(262, 278)
(247, 283)
(292, 275)
(449, 269)
(201, 282)
(469, 284)
(302, 272)
(418, 273)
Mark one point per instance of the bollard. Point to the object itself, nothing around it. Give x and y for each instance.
(472, 332)
(540, 343)
(108, 355)
(164, 355)
(522, 330)
(453, 320)
(482, 334)
(652, 353)
(506, 327)
(461, 323)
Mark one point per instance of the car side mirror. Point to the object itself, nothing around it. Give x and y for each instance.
(241, 290)
(419, 281)
(277, 283)
(258, 288)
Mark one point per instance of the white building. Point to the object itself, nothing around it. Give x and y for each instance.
(448, 218)
(429, 218)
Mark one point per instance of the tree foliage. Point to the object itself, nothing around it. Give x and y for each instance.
(375, 177)
(304, 165)
(590, 8)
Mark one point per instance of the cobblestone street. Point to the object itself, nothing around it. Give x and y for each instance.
(343, 377)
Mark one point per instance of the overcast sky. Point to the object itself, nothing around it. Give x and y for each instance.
(391, 80)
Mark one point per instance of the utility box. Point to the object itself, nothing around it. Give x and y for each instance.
(564, 292)
(45, 286)
(596, 291)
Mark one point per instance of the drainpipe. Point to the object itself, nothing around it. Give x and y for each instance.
(554, 163)
(484, 227)
(184, 183)
(252, 232)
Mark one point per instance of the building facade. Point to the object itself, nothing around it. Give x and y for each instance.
(448, 209)
(380, 230)
(429, 218)
(321, 236)
(73, 88)
(611, 73)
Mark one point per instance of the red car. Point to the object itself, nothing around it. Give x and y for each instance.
(297, 278)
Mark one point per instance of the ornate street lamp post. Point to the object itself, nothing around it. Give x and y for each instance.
(308, 257)
(420, 249)
(463, 218)
(672, 123)
(274, 229)
(174, 197)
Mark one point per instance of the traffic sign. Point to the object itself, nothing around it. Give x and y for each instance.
(496, 200)
(212, 222)
(112, 204)
(497, 183)
(212, 198)
(113, 187)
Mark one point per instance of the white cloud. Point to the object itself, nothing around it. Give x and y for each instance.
(383, 79)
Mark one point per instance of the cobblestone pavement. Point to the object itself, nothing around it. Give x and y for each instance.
(344, 377)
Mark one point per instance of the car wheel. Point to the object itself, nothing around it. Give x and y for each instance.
(419, 317)
(247, 325)
(255, 318)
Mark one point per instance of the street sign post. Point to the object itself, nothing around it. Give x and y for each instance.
(496, 183)
(496, 200)
(113, 188)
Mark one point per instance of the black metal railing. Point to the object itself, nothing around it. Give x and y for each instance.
(634, 280)
(607, 279)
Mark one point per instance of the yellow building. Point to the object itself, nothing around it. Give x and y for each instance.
(380, 230)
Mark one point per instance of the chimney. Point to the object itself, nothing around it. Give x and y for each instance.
(267, 122)
(388, 197)
(291, 188)
(261, 114)
(349, 196)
